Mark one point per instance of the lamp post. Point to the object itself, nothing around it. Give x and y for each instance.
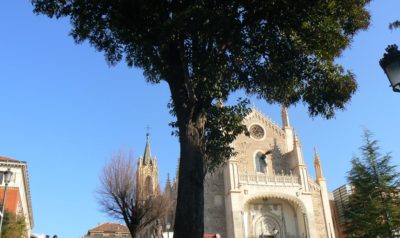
(168, 226)
(390, 64)
(7, 178)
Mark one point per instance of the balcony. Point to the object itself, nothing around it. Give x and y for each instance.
(263, 179)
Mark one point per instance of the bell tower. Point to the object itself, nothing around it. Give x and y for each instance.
(147, 173)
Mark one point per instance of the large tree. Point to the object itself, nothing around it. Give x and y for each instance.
(280, 50)
(119, 195)
(373, 209)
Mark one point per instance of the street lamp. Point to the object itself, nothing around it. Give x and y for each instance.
(168, 226)
(7, 178)
(390, 64)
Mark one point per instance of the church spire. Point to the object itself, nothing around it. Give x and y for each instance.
(285, 117)
(317, 165)
(289, 133)
(296, 140)
(168, 180)
(147, 152)
(297, 149)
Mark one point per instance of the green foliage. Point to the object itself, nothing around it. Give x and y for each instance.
(394, 25)
(373, 207)
(282, 51)
(14, 226)
(223, 124)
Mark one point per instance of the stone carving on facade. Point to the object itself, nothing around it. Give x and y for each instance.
(241, 155)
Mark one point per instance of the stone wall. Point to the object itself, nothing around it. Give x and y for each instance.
(319, 215)
(214, 204)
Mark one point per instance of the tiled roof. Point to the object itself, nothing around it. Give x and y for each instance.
(2, 158)
(109, 228)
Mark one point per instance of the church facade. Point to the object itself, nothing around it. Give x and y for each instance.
(265, 191)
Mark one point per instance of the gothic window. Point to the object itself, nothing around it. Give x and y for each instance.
(261, 163)
(149, 185)
(256, 131)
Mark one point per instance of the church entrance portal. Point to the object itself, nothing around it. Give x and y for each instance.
(267, 227)
(269, 217)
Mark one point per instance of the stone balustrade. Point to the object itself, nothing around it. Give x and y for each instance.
(262, 179)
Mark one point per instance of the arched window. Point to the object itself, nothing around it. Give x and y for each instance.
(149, 186)
(261, 163)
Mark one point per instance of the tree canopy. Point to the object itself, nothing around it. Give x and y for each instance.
(282, 51)
(373, 209)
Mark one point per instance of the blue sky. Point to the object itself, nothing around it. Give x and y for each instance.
(65, 111)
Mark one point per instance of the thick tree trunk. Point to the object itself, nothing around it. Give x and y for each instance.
(189, 218)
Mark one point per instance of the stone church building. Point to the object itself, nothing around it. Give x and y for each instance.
(265, 191)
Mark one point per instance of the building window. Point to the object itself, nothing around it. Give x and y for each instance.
(261, 163)
(257, 132)
(149, 186)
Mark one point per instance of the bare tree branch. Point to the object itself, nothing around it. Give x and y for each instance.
(118, 196)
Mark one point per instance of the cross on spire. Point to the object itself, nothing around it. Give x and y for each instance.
(147, 131)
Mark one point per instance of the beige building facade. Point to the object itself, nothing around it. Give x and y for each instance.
(265, 191)
(18, 198)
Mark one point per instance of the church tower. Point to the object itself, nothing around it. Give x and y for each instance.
(147, 173)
